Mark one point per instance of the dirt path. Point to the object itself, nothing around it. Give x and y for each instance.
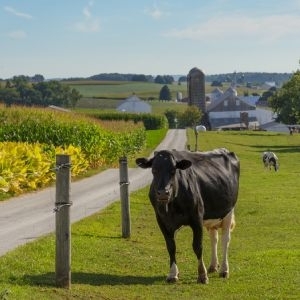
(25, 218)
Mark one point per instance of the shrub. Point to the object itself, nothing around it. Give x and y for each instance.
(150, 121)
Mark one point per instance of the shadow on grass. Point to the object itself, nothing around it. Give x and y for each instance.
(277, 148)
(98, 279)
(274, 148)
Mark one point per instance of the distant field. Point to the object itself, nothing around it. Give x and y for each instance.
(144, 90)
(107, 95)
(123, 89)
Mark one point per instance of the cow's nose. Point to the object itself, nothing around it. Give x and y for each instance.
(162, 194)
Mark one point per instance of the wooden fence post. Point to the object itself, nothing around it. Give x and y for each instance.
(125, 203)
(196, 139)
(62, 220)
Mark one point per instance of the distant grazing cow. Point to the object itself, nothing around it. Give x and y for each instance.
(270, 160)
(195, 189)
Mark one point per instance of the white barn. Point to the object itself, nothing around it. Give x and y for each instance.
(134, 104)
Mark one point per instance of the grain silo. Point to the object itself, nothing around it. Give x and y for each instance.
(196, 89)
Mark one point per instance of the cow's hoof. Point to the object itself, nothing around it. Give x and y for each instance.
(212, 269)
(224, 274)
(202, 279)
(172, 279)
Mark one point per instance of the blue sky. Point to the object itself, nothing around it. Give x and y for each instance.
(80, 38)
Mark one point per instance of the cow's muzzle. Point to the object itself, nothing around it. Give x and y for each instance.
(163, 195)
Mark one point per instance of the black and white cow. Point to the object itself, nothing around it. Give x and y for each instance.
(270, 160)
(195, 189)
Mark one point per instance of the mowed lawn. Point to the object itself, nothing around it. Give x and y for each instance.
(264, 253)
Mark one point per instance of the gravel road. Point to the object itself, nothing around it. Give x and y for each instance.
(27, 217)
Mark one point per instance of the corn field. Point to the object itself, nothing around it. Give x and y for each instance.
(31, 137)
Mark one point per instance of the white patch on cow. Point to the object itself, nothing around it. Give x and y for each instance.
(212, 223)
(173, 275)
(218, 223)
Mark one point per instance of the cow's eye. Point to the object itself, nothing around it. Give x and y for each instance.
(173, 172)
(154, 171)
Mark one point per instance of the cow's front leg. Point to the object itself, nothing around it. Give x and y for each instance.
(173, 275)
(171, 246)
(169, 236)
(197, 247)
(214, 262)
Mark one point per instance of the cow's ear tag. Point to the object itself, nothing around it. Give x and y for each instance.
(183, 164)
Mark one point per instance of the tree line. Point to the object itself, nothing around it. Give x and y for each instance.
(22, 90)
(243, 78)
(161, 79)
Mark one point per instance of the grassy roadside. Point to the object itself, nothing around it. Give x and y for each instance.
(264, 252)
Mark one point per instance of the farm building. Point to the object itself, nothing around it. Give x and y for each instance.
(229, 111)
(275, 126)
(134, 104)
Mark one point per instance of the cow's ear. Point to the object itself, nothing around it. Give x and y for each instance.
(183, 164)
(144, 162)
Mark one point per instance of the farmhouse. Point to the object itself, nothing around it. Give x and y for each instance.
(229, 111)
(135, 105)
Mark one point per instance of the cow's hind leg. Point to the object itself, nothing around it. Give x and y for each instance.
(214, 262)
(227, 226)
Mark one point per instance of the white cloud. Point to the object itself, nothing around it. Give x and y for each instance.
(89, 23)
(268, 28)
(17, 34)
(86, 12)
(17, 13)
(154, 12)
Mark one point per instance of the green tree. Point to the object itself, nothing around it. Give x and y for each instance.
(190, 117)
(9, 96)
(216, 83)
(74, 97)
(165, 93)
(37, 78)
(182, 79)
(20, 91)
(171, 115)
(286, 101)
(165, 79)
(139, 77)
(264, 98)
(159, 79)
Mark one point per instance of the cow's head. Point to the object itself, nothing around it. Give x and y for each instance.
(275, 164)
(164, 166)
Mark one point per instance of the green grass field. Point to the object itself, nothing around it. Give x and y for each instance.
(123, 89)
(264, 253)
(109, 94)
